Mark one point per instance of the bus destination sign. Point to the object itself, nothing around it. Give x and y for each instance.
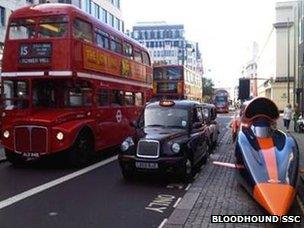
(39, 53)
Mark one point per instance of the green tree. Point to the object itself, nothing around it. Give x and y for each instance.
(208, 88)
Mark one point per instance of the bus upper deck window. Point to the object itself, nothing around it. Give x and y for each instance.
(53, 27)
(82, 30)
(22, 29)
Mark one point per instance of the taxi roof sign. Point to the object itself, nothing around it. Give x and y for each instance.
(166, 103)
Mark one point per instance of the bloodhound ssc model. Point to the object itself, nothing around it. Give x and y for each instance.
(267, 159)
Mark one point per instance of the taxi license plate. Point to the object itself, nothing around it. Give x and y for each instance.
(146, 165)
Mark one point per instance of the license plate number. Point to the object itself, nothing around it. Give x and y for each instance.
(146, 165)
(30, 155)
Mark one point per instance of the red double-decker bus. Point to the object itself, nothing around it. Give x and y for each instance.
(221, 101)
(176, 82)
(69, 83)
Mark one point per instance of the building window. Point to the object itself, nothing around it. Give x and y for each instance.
(158, 35)
(152, 34)
(96, 10)
(110, 20)
(122, 26)
(64, 1)
(146, 35)
(103, 15)
(116, 23)
(88, 6)
(2, 16)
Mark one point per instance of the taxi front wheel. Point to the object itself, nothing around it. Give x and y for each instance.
(127, 173)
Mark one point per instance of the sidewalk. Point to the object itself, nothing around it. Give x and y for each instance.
(299, 137)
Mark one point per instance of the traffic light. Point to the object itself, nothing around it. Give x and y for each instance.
(244, 88)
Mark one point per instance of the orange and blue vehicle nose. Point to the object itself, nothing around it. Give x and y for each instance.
(275, 198)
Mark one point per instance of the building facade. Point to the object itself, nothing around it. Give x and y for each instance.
(167, 44)
(300, 79)
(282, 85)
(286, 48)
(250, 68)
(108, 11)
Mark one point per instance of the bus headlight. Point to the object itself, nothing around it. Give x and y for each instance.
(175, 147)
(126, 144)
(60, 136)
(6, 134)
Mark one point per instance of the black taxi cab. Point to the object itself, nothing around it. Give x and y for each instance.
(170, 137)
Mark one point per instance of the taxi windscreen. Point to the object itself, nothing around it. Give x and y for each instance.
(166, 117)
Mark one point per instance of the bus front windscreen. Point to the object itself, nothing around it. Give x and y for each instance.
(221, 100)
(167, 73)
(48, 27)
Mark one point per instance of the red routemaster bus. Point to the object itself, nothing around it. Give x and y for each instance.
(176, 82)
(69, 83)
(221, 101)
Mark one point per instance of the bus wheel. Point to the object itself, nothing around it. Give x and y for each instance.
(79, 154)
(14, 158)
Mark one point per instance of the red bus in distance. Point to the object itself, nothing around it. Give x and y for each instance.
(176, 82)
(69, 83)
(221, 101)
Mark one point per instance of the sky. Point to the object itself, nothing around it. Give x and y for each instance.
(224, 29)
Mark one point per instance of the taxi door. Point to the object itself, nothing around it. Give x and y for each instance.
(198, 142)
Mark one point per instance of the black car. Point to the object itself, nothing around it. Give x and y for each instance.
(209, 111)
(170, 137)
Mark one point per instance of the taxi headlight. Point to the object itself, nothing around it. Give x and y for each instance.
(6, 134)
(126, 144)
(60, 136)
(175, 147)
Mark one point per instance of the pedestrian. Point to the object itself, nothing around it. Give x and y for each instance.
(287, 115)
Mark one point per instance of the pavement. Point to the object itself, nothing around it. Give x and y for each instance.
(215, 191)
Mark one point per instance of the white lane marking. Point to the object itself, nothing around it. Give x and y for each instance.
(188, 186)
(174, 185)
(43, 187)
(177, 202)
(163, 223)
(300, 204)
